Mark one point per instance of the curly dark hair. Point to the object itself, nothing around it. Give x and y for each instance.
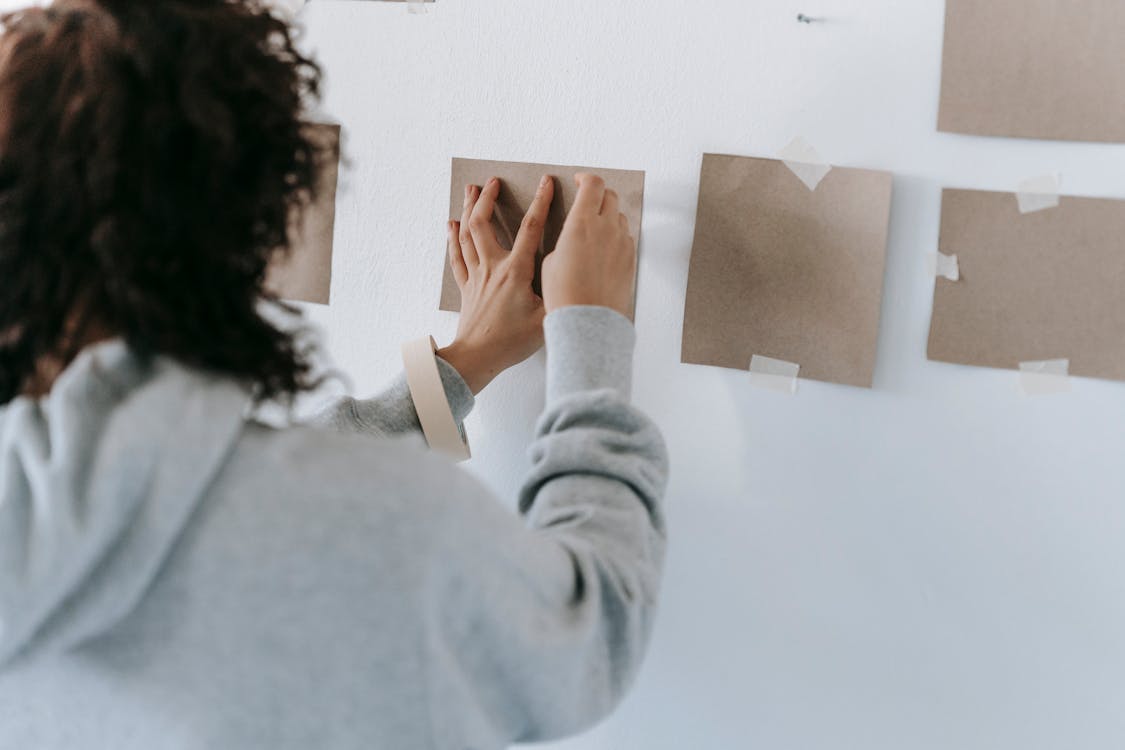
(152, 153)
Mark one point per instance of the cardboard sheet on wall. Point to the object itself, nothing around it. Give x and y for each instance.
(785, 272)
(1047, 69)
(305, 275)
(1038, 286)
(519, 182)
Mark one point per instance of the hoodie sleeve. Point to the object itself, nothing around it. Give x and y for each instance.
(549, 618)
(392, 412)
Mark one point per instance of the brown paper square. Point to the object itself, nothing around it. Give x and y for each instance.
(1038, 286)
(519, 182)
(781, 271)
(1034, 69)
(305, 274)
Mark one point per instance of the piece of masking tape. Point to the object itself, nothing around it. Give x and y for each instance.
(774, 374)
(441, 431)
(1039, 193)
(945, 266)
(804, 161)
(1038, 378)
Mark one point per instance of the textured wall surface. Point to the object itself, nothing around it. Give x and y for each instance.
(936, 563)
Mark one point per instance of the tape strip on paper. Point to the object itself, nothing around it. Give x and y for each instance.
(1039, 193)
(1041, 377)
(804, 161)
(774, 374)
(945, 266)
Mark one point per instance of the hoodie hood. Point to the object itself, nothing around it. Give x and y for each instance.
(97, 481)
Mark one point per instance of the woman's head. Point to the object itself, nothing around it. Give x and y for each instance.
(151, 155)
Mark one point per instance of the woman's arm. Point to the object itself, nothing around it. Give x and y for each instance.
(392, 411)
(546, 621)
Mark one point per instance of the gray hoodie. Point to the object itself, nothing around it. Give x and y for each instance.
(175, 575)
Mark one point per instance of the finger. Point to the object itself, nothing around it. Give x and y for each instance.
(480, 223)
(591, 193)
(526, 246)
(456, 259)
(610, 204)
(627, 232)
(468, 249)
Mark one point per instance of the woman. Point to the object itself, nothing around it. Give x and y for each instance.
(175, 575)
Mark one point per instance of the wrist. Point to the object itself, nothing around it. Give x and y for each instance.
(469, 364)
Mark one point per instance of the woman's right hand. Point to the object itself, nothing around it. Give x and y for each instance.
(595, 260)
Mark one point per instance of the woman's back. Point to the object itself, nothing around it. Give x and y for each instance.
(179, 577)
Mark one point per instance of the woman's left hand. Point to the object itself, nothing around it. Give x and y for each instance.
(501, 321)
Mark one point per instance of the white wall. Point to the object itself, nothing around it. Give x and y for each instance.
(935, 563)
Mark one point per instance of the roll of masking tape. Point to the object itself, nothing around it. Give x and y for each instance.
(441, 430)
